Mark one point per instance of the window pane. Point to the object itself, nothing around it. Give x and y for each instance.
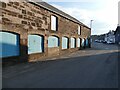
(35, 44)
(83, 42)
(72, 42)
(53, 23)
(78, 29)
(9, 44)
(78, 41)
(87, 42)
(53, 41)
(64, 43)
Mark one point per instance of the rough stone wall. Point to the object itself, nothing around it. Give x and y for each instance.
(85, 32)
(67, 27)
(26, 15)
(24, 18)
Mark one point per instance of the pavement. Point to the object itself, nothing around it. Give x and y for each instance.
(95, 67)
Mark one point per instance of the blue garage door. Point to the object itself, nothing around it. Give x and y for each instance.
(53, 41)
(86, 42)
(83, 42)
(73, 43)
(78, 42)
(65, 43)
(35, 44)
(9, 44)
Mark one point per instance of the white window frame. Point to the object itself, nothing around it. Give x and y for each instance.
(53, 23)
(79, 29)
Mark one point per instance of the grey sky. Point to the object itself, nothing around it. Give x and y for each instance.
(103, 12)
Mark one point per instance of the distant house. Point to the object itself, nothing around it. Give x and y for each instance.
(117, 35)
(110, 37)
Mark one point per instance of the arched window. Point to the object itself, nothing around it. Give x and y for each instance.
(83, 42)
(78, 42)
(73, 43)
(87, 42)
(53, 41)
(35, 44)
(65, 43)
(9, 44)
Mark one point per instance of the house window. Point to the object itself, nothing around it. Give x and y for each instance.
(53, 41)
(73, 43)
(65, 43)
(83, 42)
(35, 44)
(87, 42)
(78, 42)
(9, 44)
(79, 28)
(53, 23)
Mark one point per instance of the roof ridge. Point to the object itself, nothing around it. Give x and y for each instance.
(58, 11)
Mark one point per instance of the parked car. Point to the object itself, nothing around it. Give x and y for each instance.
(99, 41)
(110, 42)
(96, 40)
(104, 41)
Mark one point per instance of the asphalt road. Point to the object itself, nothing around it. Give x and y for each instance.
(90, 68)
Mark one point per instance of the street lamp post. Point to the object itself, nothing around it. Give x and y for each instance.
(91, 24)
(91, 30)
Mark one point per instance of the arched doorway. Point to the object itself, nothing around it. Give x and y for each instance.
(9, 43)
(53, 45)
(73, 42)
(53, 41)
(78, 42)
(87, 42)
(65, 43)
(83, 42)
(35, 44)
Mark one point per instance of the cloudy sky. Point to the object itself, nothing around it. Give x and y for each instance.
(103, 12)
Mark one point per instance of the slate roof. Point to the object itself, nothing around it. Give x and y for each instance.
(57, 11)
(117, 30)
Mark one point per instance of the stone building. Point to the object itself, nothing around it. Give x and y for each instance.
(117, 35)
(110, 37)
(35, 30)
